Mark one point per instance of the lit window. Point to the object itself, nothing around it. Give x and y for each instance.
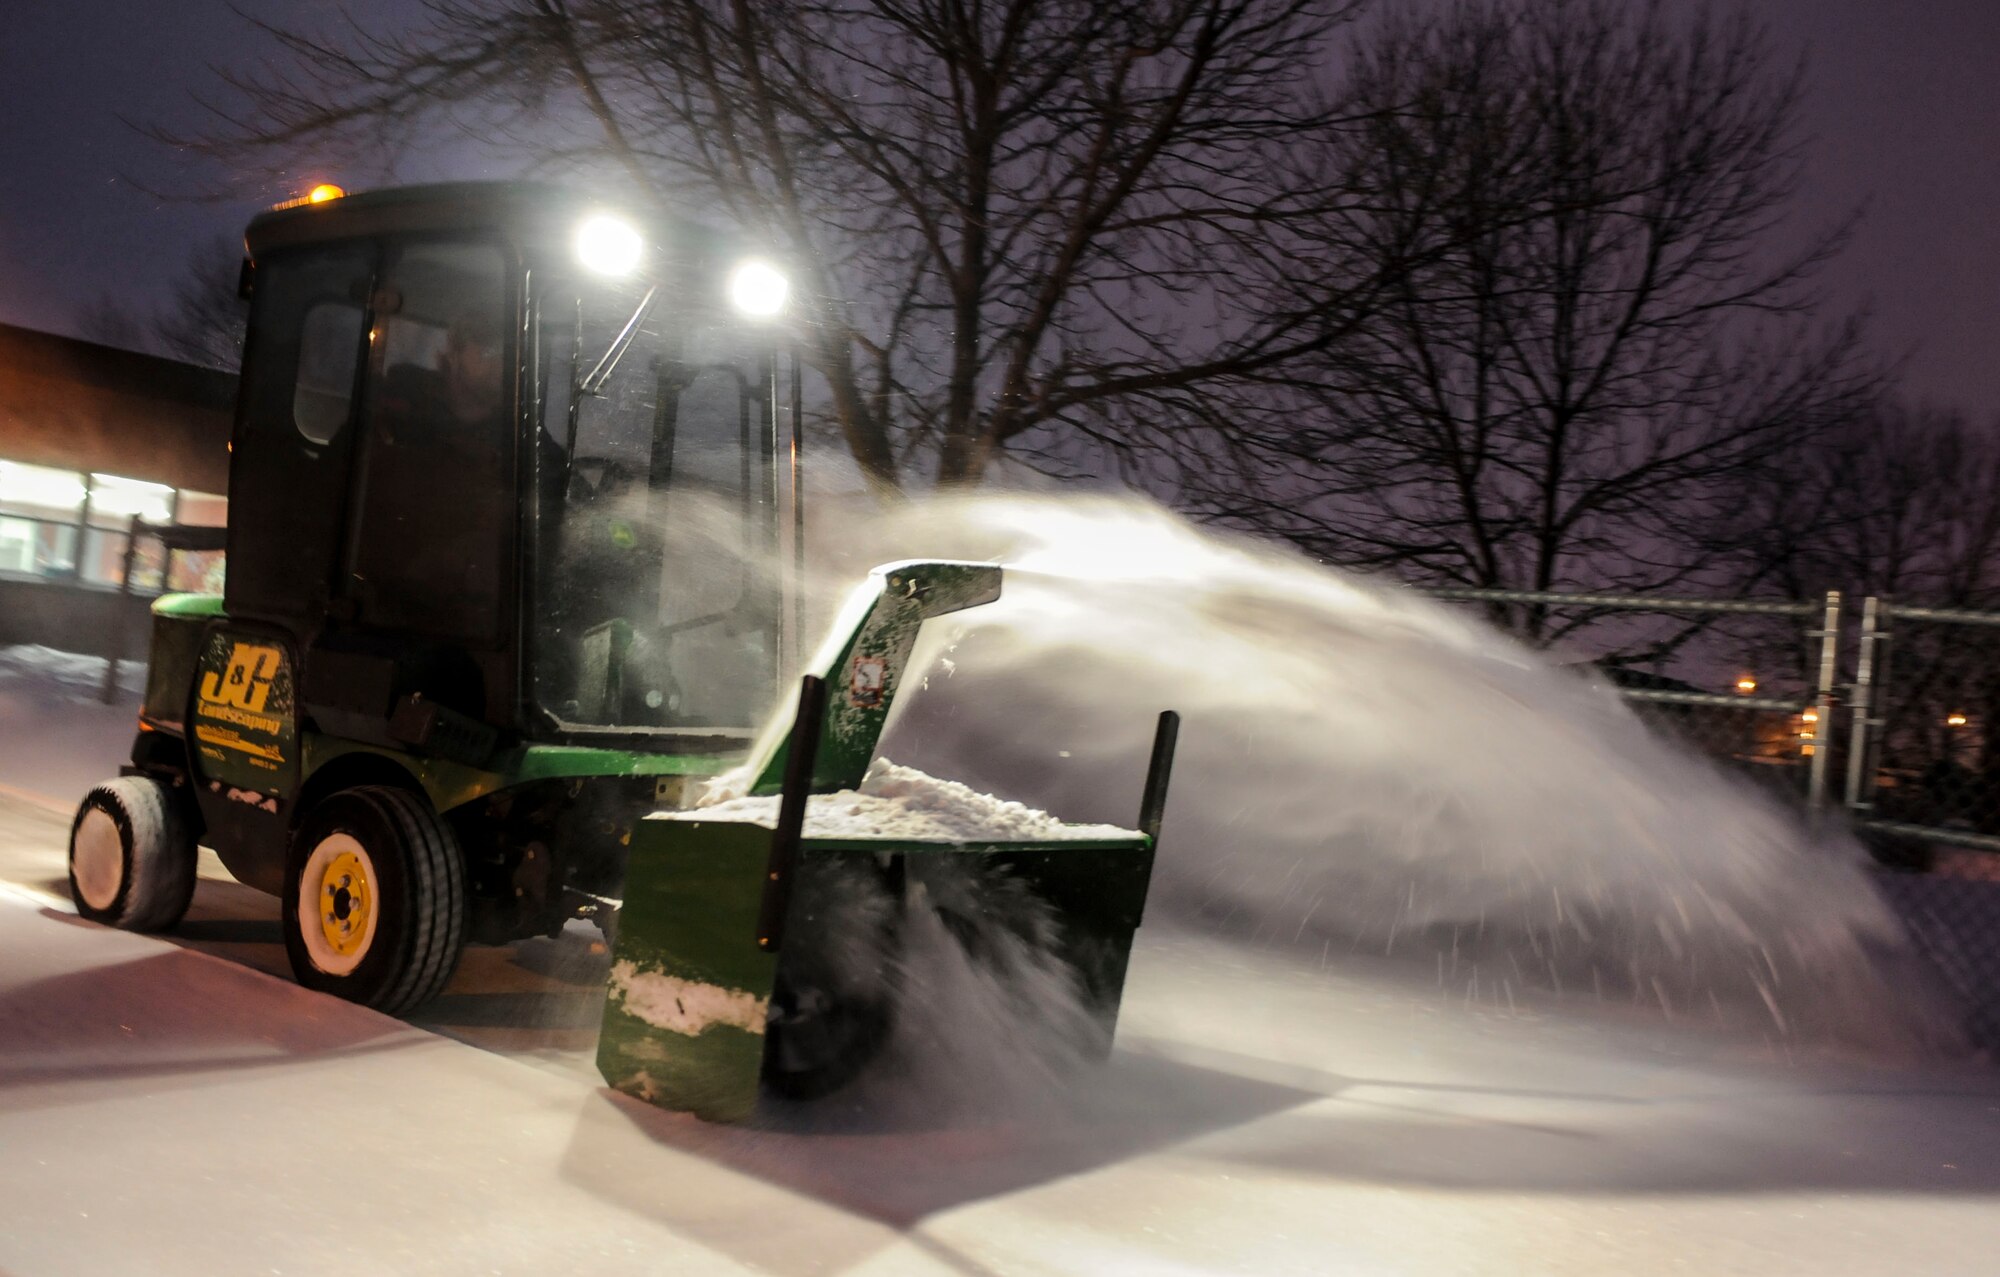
(123, 498)
(17, 545)
(39, 490)
(37, 546)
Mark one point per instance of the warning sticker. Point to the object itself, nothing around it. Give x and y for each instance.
(865, 687)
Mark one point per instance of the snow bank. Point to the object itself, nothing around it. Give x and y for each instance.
(66, 675)
(57, 737)
(904, 803)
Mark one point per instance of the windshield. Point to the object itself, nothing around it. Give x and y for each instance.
(655, 456)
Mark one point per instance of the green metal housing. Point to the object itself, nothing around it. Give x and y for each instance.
(684, 1025)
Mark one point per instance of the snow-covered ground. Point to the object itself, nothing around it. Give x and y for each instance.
(165, 1111)
(178, 1106)
(57, 736)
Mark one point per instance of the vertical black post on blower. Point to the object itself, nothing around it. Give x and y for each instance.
(1153, 803)
(800, 756)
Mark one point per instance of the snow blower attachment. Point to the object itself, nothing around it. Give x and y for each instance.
(759, 957)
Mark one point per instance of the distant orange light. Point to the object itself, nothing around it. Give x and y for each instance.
(1810, 716)
(1954, 720)
(1746, 685)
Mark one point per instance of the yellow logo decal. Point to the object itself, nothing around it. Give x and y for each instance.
(246, 683)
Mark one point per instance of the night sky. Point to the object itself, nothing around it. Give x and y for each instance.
(1903, 110)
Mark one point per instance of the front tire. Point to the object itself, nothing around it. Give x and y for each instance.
(374, 906)
(131, 855)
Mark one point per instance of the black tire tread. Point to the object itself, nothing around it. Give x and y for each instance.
(160, 885)
(436, 937)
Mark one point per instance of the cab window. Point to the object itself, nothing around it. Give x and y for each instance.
(434, 510)
(289, 457)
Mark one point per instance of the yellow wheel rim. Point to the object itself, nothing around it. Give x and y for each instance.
(346, 901)
(339, 905)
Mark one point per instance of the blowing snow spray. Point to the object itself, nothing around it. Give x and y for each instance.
(1365, 771)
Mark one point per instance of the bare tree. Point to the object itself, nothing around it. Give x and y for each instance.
(1016, 224)
(109, 319)
(202, 321)
(1904, 504)
(1900, 501)
(1610, 339)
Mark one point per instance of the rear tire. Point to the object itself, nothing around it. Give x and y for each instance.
(374, 905)
(131, 855)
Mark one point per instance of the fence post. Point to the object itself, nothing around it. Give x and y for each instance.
(1829, 652)
(1860, 737)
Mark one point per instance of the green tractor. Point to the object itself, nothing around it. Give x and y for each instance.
(511, 549)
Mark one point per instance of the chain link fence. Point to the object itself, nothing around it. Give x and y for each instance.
(1924, 735)
(1749, 683)
(1896, 721)
(1923, 785)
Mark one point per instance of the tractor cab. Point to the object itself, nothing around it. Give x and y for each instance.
(466, 411)
(504, 507)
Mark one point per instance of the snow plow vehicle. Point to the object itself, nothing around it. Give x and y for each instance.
(511, 579)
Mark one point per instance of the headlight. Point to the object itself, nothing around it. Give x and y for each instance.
(758, 288)
(608, 245)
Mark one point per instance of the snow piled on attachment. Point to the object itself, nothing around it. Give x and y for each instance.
(904, 804)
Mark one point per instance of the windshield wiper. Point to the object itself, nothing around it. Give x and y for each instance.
(593, 384)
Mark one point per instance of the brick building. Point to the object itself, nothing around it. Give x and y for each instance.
(91, 436)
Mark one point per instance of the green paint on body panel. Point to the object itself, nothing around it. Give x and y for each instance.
(450, 784)
(547, 762)
(863, 674)
(170, 667)
(689, 985)
(685, 967)
(203, 606)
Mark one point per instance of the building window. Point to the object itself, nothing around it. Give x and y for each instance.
(69, 525)
(114, 502)
(40, 509)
